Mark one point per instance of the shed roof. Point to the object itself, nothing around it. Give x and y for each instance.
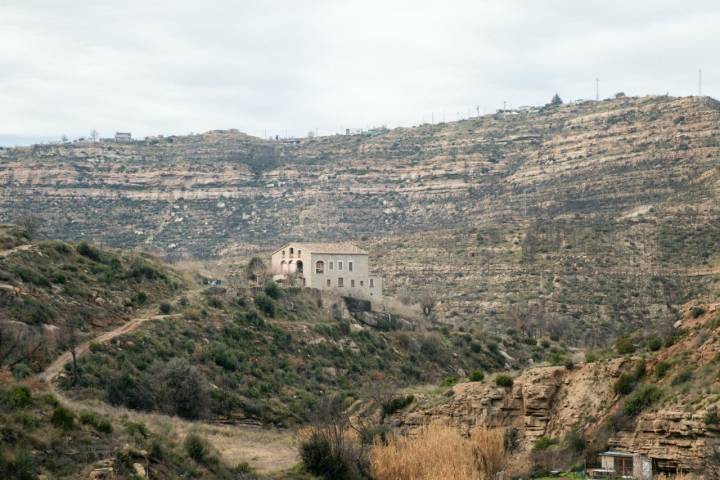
(339, 248)
(614, 453)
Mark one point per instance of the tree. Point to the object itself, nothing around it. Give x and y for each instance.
(428, 303)
(94, 135)
(255, 270)
(183, 389)
(556, 100)
(17, 345)
(69, 337)
(30, 224)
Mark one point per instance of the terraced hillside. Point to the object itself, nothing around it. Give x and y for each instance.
(600, 215)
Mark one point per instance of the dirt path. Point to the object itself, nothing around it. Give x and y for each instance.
(19, 248)
(266, 450)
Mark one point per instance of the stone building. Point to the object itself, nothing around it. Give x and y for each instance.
(123, 137)
(341, 267)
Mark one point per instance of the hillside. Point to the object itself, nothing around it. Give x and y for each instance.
(595, 217)
(54, 293)
(649, 395)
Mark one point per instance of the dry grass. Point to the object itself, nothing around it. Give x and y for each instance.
(440, 453)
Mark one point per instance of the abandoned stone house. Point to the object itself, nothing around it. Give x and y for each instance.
(340, 267)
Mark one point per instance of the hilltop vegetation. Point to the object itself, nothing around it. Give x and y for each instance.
(272, 357)
(595, 216)
(52, 292)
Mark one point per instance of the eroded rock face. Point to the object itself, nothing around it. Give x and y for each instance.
(551, 401)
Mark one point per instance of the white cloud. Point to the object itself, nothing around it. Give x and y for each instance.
(291, 66)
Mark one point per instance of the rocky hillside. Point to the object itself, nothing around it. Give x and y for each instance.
(661, 400)
(599, 216)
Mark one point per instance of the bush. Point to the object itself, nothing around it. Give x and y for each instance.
(543, 443)
(165, 308)
(63, 418)
(141, 298)
(327, 457)
(504, 381)
(100, 424)
(625, 384)
(21, 370)
(682, 377)
(272, 289)
(625, 345)
(19, 467)
(87, 250)
(712, 417)
(265, 304)
(477, 376)
(695, 312)
(511, 439)
(18, 396)
(197, 448)
(655, 344)
(642, 399)
(183, 389)
(397, 403)
(662, 368)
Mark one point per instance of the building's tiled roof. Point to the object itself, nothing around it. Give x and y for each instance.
(339, 248)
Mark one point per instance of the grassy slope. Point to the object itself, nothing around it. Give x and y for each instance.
(51, 284)
(276, 368)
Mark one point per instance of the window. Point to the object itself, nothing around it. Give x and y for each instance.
(299, 252)
(352, 283)
(362, 283)
(330, 265)
(283, 253)
(328, 282)
(340, 282)
(372, 283)
(349, 266)
(291, 250)
(340, 265)
(319, 266)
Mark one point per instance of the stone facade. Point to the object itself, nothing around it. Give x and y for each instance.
(340, 267)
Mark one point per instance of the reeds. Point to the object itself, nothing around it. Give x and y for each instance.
(439, 453)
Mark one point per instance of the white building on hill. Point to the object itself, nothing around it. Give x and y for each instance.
(341, 267)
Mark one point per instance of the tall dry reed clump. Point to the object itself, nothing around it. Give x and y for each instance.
(439, 453)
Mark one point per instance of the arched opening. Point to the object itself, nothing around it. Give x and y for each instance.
(299, 266)
(283, 267)
(291, 267)
(319, 266)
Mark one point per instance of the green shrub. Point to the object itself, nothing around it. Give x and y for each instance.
(476, 376)
(265, 304)
(21, 370)
(20, 466)
(625, 384)
(87, 250)
(326, 458)
(272, 289)
(197, 448)
(511, 439)
(575, 441)
(99, 423)
(63, 418)
(165, 308)
(644, 397)
(712, 417)
(141, 298)
(18, 396)
(682, 377)
(137, 430)
(476, 346)
(543, 443)
(662, 368)
(625, 345)
(504, 381)
(654, 344)
(397, 403)
(695, 312)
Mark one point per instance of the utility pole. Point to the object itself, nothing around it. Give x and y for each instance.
(432, 118)
(504, 105)
(700, 82)
(597, 89)
(477, 109)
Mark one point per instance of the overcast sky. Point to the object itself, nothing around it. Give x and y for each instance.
(290, 66)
